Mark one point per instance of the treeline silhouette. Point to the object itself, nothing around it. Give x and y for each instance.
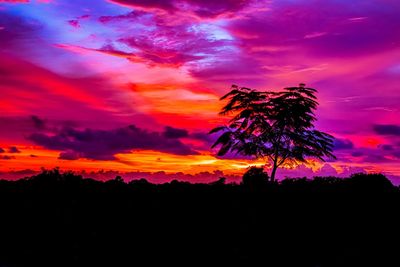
(62, 219)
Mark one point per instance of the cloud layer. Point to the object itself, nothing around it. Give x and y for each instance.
(103, 145)
(75, 73)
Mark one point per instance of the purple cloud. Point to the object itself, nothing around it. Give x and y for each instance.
(13, 149)
(199, 8)
(104, 144)
(17, 32)
(131, 16)
(375, 158)
(38, 122)
(69, 155)
(387, 129)
(204, 136)
(386, 147)
(357, 154)
(343, 144)
(172, 45)
(321, 28)
(6, 157)
(174, 133)
(74, 23)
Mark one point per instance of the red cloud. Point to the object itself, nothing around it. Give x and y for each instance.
(28, 87)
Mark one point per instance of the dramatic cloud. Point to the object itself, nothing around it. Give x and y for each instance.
(161, 40)
(200, 8)
(204, 136)
(174, 45)
(386, 147)
(131, 16)
(2, 150)
(6, 157)
(171, 132)
(162, 46)
(387, 129)
(357, 153)
(103, 144)
(13, 149)
(70, 155)
(16, 33)
(38, 122)
(101, 65)
(29, 89)
(343, 144)
(322, 28)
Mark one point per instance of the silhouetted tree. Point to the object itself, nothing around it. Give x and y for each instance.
(118, 179)
(275, 126)
(255, 177)
(220, 181)
(141, 182)
(373, 182)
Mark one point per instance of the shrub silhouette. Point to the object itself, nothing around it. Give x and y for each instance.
(255, 177)
(370, 182)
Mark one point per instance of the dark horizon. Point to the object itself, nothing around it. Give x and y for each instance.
(64, 220)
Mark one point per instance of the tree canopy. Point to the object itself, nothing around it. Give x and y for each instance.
(275, 126)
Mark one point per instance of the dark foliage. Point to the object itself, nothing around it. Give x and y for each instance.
(274, 126)
(255, 178)
(61, 219)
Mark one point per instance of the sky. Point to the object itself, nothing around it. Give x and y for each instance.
(132, 86)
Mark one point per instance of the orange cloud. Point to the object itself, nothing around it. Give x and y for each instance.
(179, 104)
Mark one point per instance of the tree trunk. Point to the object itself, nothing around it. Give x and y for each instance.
(273, 172)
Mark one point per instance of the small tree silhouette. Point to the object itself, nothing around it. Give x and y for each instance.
(275, 126)
(255, 177)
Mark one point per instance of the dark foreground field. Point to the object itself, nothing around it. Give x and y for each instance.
(64, 220)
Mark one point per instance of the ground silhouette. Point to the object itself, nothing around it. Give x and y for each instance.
(62, 219)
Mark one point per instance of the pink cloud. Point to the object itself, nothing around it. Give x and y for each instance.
(198, 8)
(349, 52)
(26, 87)
(160, 45)
(14, 1)
(74, 23)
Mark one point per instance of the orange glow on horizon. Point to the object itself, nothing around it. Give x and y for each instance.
(33, 157)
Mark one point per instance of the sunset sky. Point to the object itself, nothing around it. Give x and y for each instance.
(134, 85)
